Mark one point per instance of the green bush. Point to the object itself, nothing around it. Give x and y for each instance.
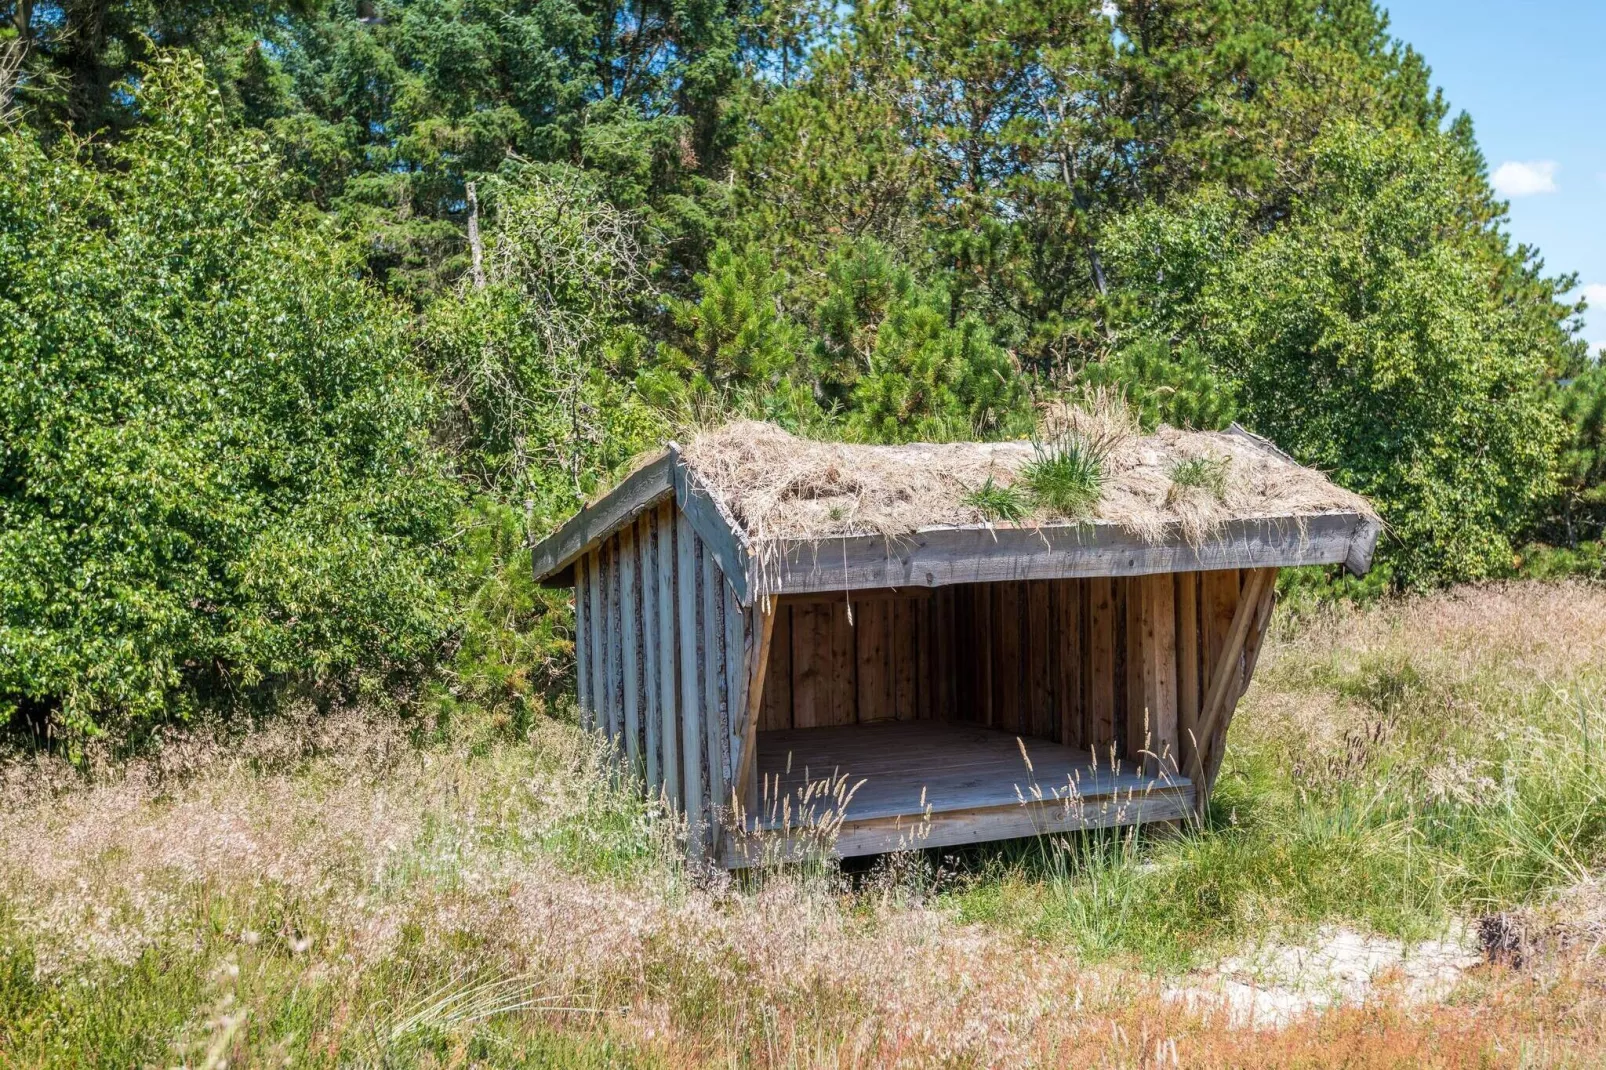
(214, 472)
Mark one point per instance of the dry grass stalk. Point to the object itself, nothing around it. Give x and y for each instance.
(782, 487)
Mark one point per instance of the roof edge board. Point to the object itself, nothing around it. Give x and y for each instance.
(937, 557)
(644, 487)
(719, 531)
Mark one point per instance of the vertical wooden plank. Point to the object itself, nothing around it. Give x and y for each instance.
(647, 578)
(693, 782)
(811, 664)
(594, 620)
(1007, 656)
(612, 714)
(715, 711)
(873, 641)
(946, 666)
(629, 649)
(1066, 652)
(582, 642)
(1039, 679)
(1218, 594)
(1135, 733)
(967, 698)
(777, 708)
(903, 654)
(1187, 632)
(986, 653)
(923, 620)
(843, 674)
(1099, 671)
(738, 670)
(761, 632)
(1159, 642)
(668, 654)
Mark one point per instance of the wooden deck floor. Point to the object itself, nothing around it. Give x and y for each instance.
(931, 784)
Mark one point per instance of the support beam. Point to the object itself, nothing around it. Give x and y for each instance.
(1224, 676)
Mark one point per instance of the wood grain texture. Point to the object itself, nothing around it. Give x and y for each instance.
(947, 668)
(1257, 634)
(937, 557)
(758, 663)
(973, 779)
(629, 647)
(1188, 671)
(872, 634)
(738, 670)
(599, 668)
(777, 706)
(582, 644)
(1065, 647)
(1008, 656)
(638, 491)
(1099, 673)
(1039, 662)
(694, 783)
(651, 720)
(1159, 622)
(668, 656)
(904, 650)
(721, 536)
(842, 681)
(710, 649)
(1224, 677)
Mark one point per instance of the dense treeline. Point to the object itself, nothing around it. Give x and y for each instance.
(272, 418)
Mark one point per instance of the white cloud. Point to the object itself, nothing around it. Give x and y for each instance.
(1595, 294)
(1517, 179)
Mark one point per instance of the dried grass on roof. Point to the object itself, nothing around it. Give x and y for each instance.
(779, 486)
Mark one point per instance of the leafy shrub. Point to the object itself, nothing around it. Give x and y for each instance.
(1380, 334)
(214, 473)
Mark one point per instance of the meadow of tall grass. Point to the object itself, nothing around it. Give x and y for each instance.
(355, 888)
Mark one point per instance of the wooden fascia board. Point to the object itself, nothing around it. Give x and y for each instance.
(722, 535)
(936, 557)
(552, 557)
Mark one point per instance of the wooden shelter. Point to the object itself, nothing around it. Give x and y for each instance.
(819, 646)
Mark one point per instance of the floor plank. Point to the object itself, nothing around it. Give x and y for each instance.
(952, 766)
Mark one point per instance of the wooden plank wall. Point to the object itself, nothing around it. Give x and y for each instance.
(1116, 665)
(662, 652)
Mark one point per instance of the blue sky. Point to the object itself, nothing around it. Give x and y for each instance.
(1533, 77)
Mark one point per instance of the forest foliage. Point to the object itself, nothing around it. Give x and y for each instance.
(271, 420)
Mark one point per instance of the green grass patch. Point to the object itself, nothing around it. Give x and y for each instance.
(1208, 474)
(996, 502)
(1066, 475)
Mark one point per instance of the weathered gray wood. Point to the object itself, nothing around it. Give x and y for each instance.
(667, 649)
(639, 490)
(724, 538)
(973, 780)
(934, 557)
(687, 552)
(737, 641)
(711, 646)
(629, 646)
(615, 653)
(582, 644)
(758, 680)
(1361, 548)
(651, 721)
(599, 686)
